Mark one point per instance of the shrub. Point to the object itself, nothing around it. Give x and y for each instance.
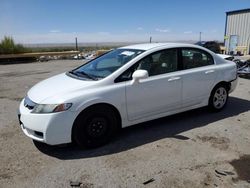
(8, 46)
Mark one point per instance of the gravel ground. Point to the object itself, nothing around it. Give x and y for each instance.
(191, 149)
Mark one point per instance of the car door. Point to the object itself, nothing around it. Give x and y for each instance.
(160, 92)
(199, 73)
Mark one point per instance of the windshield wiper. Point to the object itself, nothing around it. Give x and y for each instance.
(82, 73)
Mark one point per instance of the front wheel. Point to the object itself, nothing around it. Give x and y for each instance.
(95, 127)
(218, 98)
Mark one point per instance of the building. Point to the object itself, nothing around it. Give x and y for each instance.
(237, 32)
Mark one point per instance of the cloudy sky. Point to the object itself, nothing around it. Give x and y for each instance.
(60, 21)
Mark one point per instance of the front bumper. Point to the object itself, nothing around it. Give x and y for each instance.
(50, 128)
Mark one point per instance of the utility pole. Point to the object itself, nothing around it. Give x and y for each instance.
(76, 44)
(150, 40)
(200, 37)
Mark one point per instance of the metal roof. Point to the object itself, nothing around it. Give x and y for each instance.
(238, 11)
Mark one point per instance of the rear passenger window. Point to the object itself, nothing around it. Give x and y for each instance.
(193, 58)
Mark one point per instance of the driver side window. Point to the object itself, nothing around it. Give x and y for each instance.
(127, 75)
(160, 62)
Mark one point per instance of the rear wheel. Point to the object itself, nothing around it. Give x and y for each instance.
(218, 98)
(95, 126)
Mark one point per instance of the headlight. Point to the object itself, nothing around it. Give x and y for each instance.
(51, 108)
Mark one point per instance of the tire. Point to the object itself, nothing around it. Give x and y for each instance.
(95, 126)
(218, 98)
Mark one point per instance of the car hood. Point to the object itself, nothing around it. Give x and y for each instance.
(56, 86)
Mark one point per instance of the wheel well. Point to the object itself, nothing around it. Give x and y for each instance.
(211, 106)
(117, 113)
(224, 83)
(106, 105)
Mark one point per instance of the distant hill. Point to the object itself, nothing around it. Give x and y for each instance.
(98, 44)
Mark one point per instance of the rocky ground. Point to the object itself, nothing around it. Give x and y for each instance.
(191, 149)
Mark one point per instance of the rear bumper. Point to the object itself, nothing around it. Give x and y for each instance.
(233, 84)
(51, 128)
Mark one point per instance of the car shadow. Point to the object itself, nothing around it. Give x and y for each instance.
(141, 134)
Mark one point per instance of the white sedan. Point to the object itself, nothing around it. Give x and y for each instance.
(126, 86)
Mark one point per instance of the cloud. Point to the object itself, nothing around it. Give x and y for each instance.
(162, 30)
(188, 32)
(103, 33)
(139, 28)
(54, 31)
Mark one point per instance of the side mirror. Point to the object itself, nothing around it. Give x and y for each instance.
(138, 75)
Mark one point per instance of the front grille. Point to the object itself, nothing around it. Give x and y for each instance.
(29, 103)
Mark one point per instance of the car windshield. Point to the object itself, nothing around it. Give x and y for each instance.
(106, 64)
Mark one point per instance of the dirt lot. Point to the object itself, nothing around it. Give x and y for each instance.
(192, 149)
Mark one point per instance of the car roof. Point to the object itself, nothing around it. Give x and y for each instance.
(224, 55)
(149, 46)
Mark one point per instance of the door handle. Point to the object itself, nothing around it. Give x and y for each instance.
(174, 78)
(209, 71)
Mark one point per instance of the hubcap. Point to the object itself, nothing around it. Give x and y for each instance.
(97, 127)
(220, 97)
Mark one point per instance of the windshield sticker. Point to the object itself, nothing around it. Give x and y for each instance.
(128, 53)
